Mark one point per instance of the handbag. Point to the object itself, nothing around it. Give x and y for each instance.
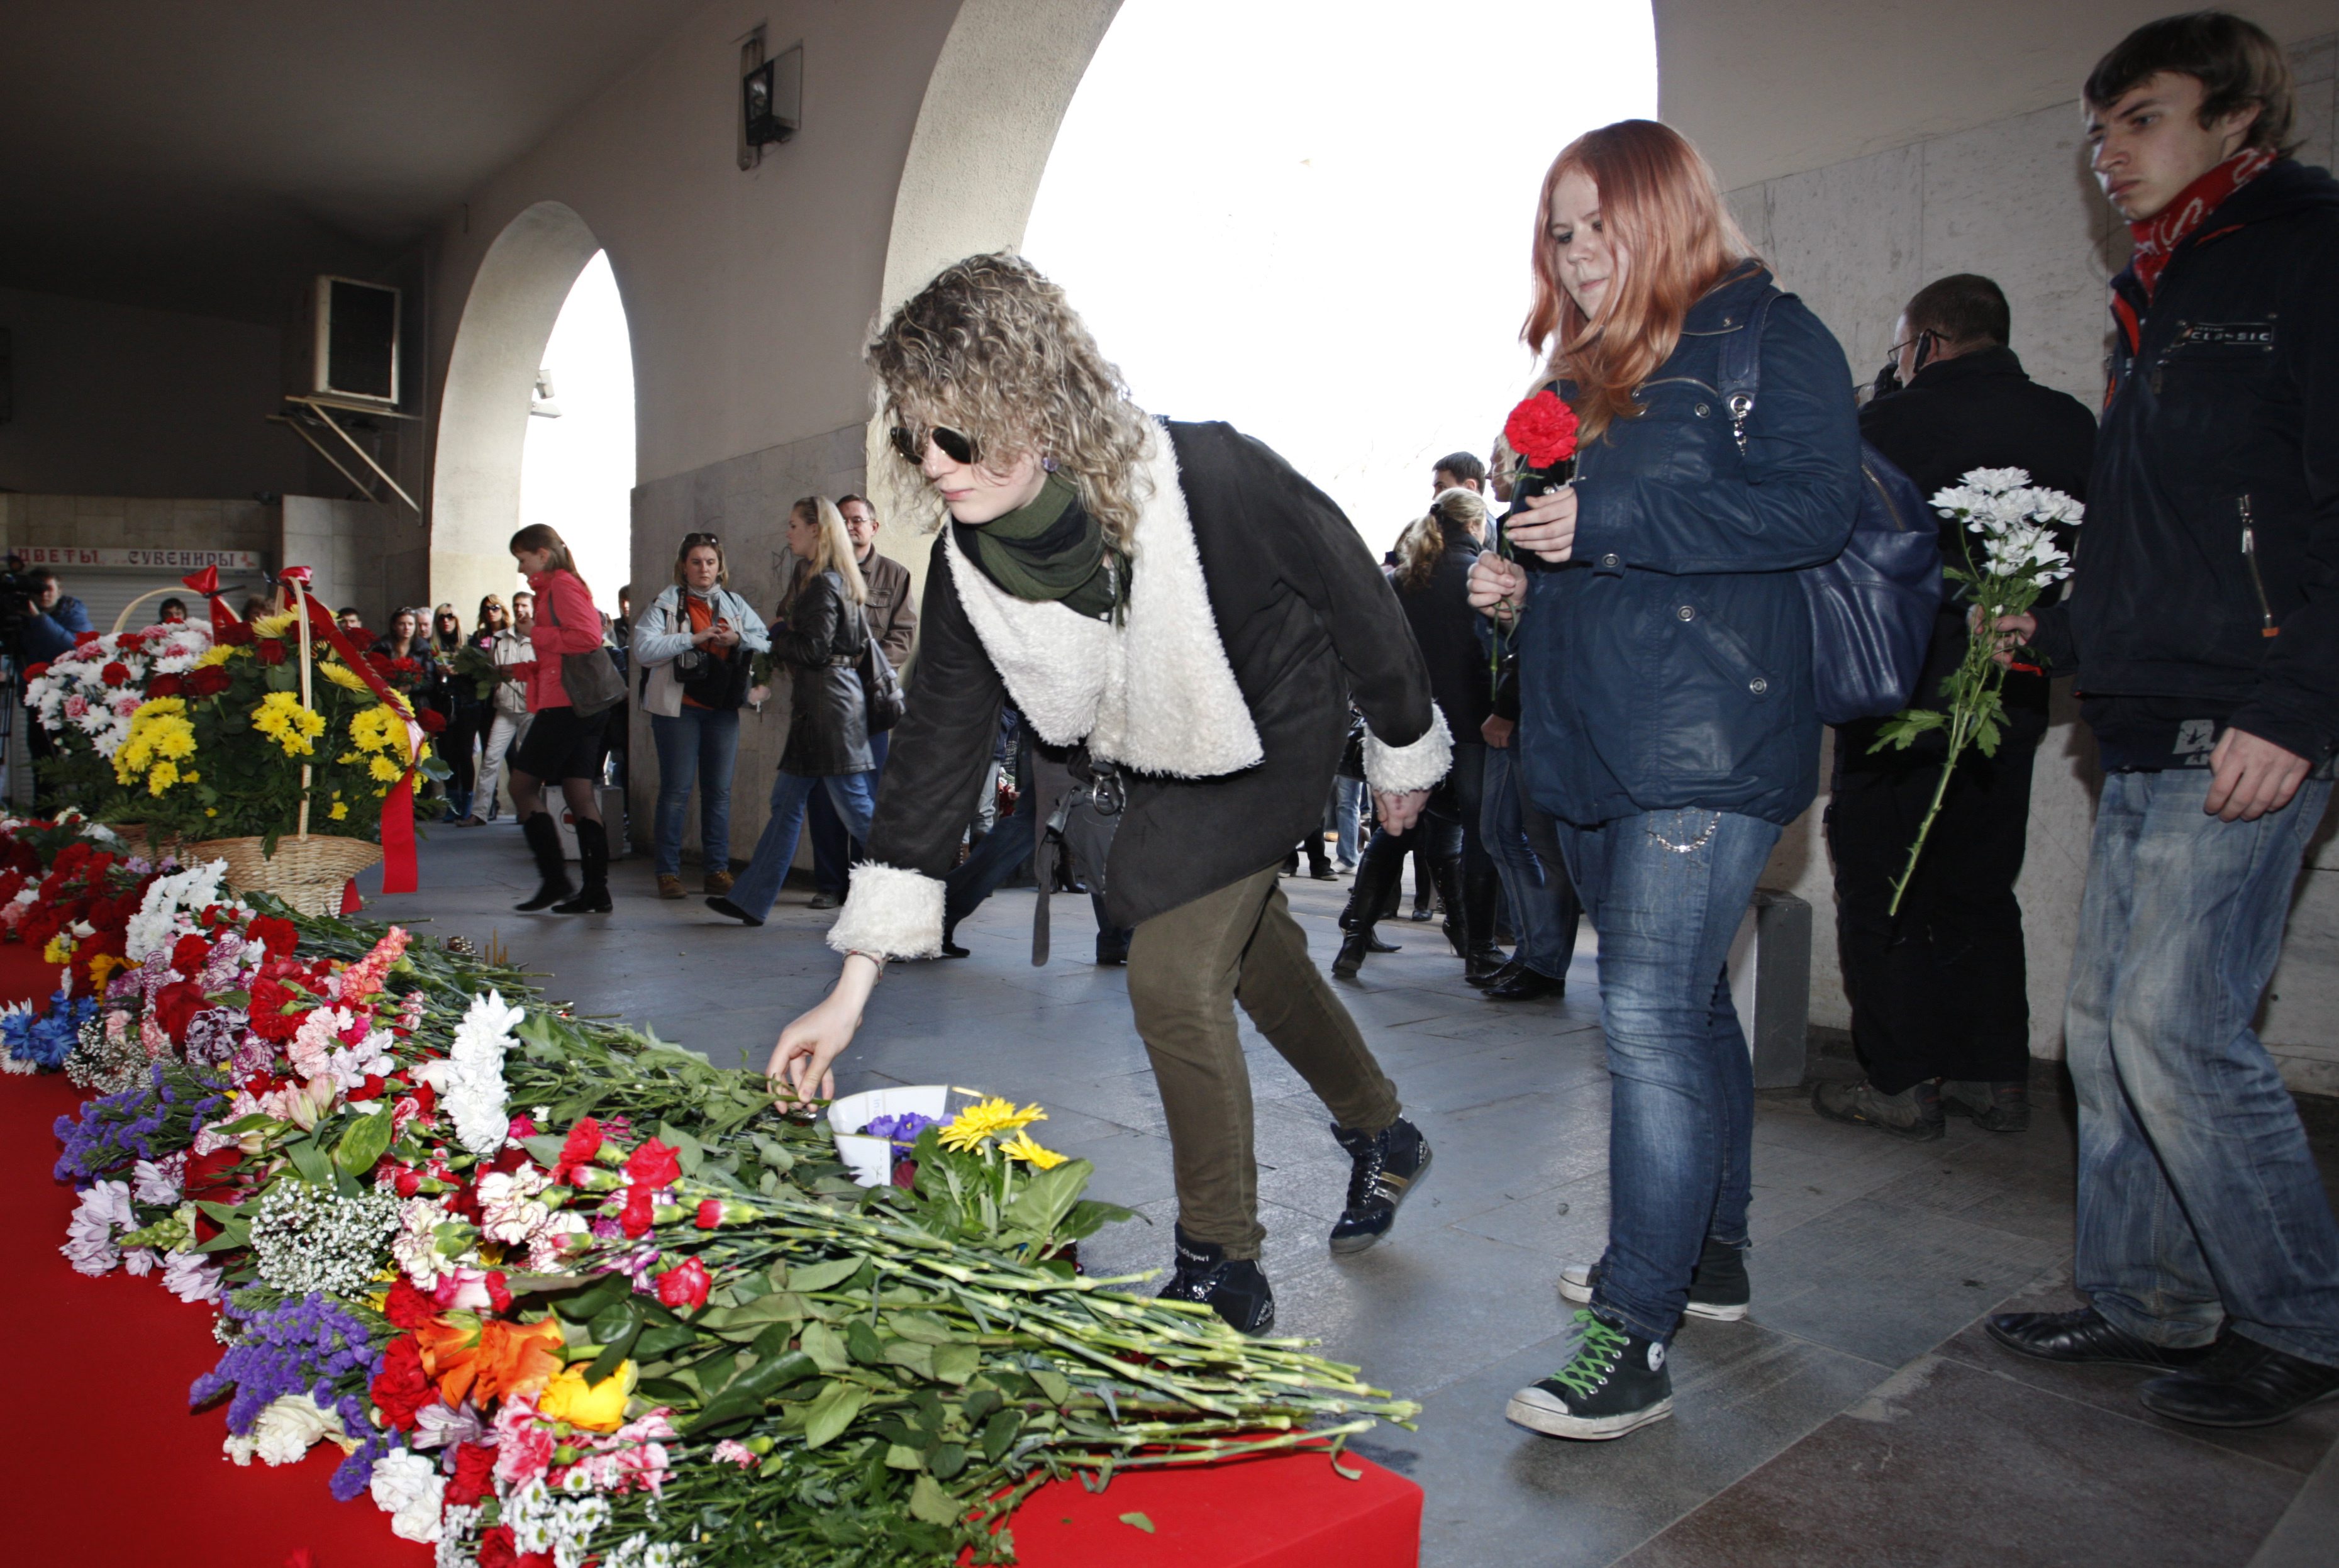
(879, 685)
(717, 684)
(1873, 607)
(590, 678)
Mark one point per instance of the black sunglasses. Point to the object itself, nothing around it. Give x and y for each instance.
(692, 541)
(956, 445)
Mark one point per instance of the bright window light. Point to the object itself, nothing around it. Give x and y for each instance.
(1315, 220)
(577, 471)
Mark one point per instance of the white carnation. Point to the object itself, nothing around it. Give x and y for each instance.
(408, 1487)
(157, 923)
(291, 1426)
(471, 1078)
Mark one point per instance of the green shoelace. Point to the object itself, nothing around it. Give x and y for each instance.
(1594, 1359)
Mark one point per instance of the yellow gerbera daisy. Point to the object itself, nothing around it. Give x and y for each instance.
(987, 1119)
(341, 675)
(1021, 1147)
(217, 654)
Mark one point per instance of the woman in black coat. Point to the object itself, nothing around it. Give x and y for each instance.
(818, 637)
(1433, 584)
(1175, 613)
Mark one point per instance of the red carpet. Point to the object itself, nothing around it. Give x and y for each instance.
(107, 1467)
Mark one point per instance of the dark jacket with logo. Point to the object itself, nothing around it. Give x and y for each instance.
(2208, 566)
(1668, 664)
(1979, 410)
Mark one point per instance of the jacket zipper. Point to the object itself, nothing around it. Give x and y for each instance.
(2266, 628)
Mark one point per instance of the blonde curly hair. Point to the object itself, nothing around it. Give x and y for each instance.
(992, 348)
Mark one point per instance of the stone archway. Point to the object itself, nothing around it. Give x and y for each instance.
(508, 318)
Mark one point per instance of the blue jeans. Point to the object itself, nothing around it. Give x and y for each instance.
(1543, 900)
(832, 849)
(1666, 891)
(1344, 816)
(2198, 1197)
(855, 796)
(696, 745)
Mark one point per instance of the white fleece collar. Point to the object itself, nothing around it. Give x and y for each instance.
(1156, 695)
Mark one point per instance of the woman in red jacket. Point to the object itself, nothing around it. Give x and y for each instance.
(561, 744)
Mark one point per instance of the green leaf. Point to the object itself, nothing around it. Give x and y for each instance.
(922, 1327)
(746, 1395)
(1138, 1521)
(1048, 1196)
(236, 1233)
(1053, 1385)
(661, 1340)
(948, 1461)
(613, 1353)
(902, 1456)
(930, 1503)
(366, 1142)
(310, 1162)
(862, 1341)
(687, 1149)
(918, 1358)
(748, 1323)
(833, 1412)
(954, 1363)
(814, 1277)
(826, 1347)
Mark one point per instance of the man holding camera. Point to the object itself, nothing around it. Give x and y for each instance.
(49, 621)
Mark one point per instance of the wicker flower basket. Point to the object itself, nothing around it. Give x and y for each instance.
(307, 874)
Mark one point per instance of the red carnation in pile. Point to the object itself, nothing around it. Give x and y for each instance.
(114, 674)
(1542, 429)
(208, 681)
(271, 650)
(165, 686)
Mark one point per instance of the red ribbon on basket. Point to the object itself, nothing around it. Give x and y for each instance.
(398, 871)
(206, 583)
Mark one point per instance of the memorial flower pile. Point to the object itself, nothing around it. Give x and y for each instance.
(564, 1293)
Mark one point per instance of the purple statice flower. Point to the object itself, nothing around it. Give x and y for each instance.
(115, 1131)
(902, 1129)
(312, 1346)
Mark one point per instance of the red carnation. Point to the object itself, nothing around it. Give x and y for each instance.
(236, 633)
(710, 1214)
(175, 1006)
(684, 1286)
(474, 1477)
(637, 1218)
(401, 1389)
(34, 672)
(1542, 429)
(270, 999)
(208, 681)
(190, 953)
(432, 720)
(82, 640)
(406, 1307)
(498, 1549)
(165, 686)
(498, 1290)
(576, 1151)
(114, 674)
(271, 650)
(653, 1166)
(279, 937)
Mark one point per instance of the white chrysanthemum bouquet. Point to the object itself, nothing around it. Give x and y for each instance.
(2015, 522)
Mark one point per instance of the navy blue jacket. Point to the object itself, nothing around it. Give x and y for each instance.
(2225, 417)
(1668, 664)
(45, 636)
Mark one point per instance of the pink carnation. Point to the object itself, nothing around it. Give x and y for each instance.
(75, 707)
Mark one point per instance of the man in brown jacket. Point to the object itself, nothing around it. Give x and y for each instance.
(892, 613)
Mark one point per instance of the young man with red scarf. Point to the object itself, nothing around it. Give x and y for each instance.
(2202, 627)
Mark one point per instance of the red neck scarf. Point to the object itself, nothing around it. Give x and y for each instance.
(2158, 237)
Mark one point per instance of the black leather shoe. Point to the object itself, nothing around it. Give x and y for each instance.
(1527, 985)
(1499, 977)
(1353, 949)
(1385, 1166)
(2242, 1383)
(953, 950)
(1235, 1287)
(721, 905)
(2084, 1336)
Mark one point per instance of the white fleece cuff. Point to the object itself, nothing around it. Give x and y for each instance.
(1397, 770)
(890, 912)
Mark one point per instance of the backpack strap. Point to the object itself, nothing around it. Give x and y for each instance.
(1740, 375)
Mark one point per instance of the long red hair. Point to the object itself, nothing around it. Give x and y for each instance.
(1662, 208)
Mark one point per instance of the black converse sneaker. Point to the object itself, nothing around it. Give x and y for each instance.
(1718, 1286)
(1614, 1382)
(1385, 1166)
(1235, 1286)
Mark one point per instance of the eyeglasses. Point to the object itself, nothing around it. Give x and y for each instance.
(956, 445)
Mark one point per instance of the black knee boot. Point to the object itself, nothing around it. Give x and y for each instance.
(1377, 873)
(1474, 947)
(593, 851)
(543, 843)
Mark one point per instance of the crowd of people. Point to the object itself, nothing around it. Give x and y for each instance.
(1158, 663)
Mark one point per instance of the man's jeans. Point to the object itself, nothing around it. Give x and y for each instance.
(698, 745)
(855, 797)
(1542, 901)
(832, 849)
(1344, 816)
(2198, 1197)
(1665, 891)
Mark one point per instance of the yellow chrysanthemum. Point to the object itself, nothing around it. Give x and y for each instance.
(161, 777)
(341, 675)
(987, 1119)
(340, 810)
(385, 769)
(281, 717)
(1021, 1147)
(217, 654)
(379, 728)
(159, 731)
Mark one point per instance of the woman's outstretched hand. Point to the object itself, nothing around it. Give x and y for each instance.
(1497, 587)
(800, 1068)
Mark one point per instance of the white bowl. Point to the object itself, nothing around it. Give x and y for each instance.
(871, 1159)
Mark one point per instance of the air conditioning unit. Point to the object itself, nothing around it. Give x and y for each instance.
(353, 356)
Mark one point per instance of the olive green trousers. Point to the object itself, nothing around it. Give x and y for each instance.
(1188, 967)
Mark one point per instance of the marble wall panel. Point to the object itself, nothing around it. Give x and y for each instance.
(1847, 239)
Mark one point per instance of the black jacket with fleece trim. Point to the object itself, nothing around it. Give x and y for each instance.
(2208, 565)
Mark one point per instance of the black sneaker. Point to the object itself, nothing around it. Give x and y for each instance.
(1614, 1382)
(1236, 1287)
(1718, 1287)
(1385, 1166)
(1914, 1113)
(2242, 1383)
(1995, 1107)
